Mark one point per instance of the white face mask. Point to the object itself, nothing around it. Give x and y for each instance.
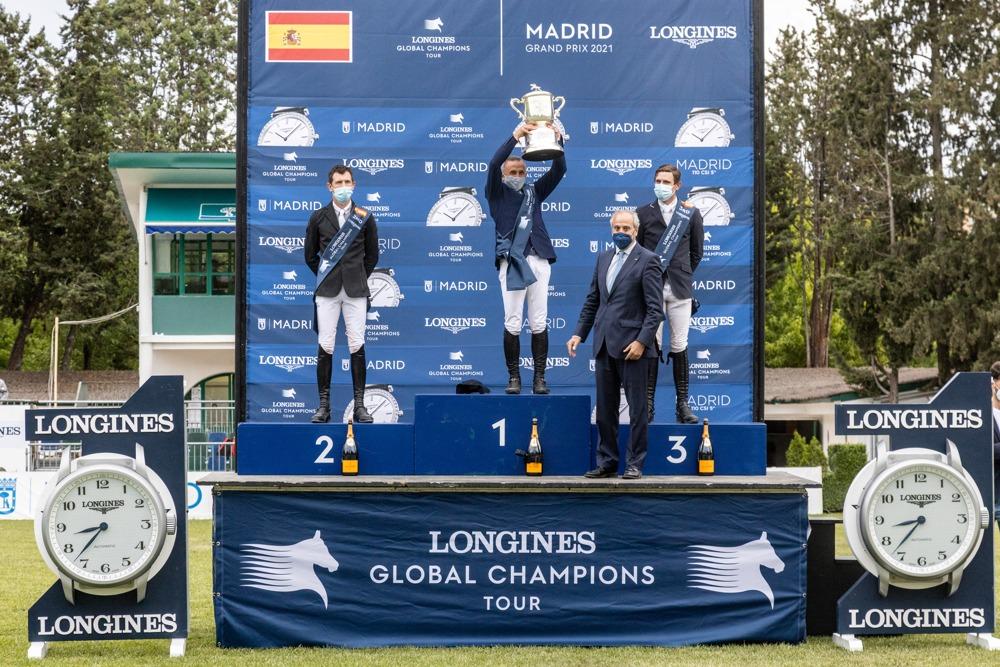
(996, 392)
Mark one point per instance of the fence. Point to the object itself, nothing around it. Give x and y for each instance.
(209, 433)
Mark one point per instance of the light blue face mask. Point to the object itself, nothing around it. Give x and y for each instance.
(343, 194)
(516, 182)
(663, 192)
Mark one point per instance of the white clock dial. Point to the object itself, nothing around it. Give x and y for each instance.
(384, 291)
(704, 130)
(104, 525)
(456, 210)
(921, 520)
(715, 210)
(287, 129)
(381, 405)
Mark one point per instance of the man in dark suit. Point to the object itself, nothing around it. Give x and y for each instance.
(523, 260)
(669, 227)
(623, 308)
(341, 248)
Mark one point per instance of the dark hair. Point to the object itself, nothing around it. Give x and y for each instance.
(995, 370)
(339, 169)
(669, 168)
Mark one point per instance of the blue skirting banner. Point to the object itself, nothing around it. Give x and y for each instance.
(436, 569)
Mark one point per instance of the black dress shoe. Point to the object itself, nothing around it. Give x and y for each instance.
(600, 472)
(632, 473)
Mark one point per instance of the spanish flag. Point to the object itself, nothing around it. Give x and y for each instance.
(309, 37)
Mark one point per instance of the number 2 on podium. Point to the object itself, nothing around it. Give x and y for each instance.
(501, 425)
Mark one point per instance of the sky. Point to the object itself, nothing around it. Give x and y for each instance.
(777, 14)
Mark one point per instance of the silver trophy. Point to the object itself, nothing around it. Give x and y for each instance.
(539, 107)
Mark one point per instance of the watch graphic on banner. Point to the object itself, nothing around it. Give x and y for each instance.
(456, 207)
(705, 127)
(384, 289)
(288, 126)
(915, 518)
(711, 202)
(108, 524)
(380, 403)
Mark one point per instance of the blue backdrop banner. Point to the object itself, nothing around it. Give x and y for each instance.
(416, 101)
(378, 569)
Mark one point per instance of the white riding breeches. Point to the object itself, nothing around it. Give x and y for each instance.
(328, 310)
(678, 312)
(537, 295)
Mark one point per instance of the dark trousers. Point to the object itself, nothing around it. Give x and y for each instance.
(611, 374)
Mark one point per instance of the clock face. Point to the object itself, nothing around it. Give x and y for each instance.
(287, 129)
(704, 130)
(381, 405)
(714, 208)
(104, 526)
(384, 291)
(456, 210)
(921, 519)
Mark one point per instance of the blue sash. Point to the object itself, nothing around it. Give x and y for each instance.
(673, 233)
(339, 244)
(519, 274)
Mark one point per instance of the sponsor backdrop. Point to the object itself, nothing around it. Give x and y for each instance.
(416, 102)
(348, 569)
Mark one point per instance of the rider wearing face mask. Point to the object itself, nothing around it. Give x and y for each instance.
(341, 248)
(523, 259)
(675, 232)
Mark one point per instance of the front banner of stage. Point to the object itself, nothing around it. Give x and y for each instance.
(562, 562)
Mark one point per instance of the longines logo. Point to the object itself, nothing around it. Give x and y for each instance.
(287, 244)
(372, 127)
(621, 166)
(560, 243)
(455, 324)
(288, 362)
(455, 367)
(692, 35)
(455, 250)
(103, 506)
(704, 367)
(914, 419)
(551, 362)
(918, 618)
(705, 323)
(382, 211)
(920, 499)
(289, 173)
(374, 165)
(432, 42)
(106, 624)
(104, 423)
(456, 130)
(713, 249)
(704, 166)
(288, 288)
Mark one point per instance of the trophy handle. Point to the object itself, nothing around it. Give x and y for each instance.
(559, 98)
(513, 101)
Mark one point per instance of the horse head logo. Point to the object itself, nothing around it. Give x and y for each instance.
(733, 569)
(283, 569)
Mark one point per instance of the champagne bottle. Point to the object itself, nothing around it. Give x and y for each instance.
(532, 457)
(349, 454)
(706, 455)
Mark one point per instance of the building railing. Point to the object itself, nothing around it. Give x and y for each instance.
(209, 435)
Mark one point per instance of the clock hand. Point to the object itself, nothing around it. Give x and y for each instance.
(457, 214)
(709, 211)
(919, 522)
(100, 529)
(907, 523)
(384, 401)
(379, 290)
(88, 530)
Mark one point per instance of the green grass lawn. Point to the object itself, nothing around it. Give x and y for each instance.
(28, 577)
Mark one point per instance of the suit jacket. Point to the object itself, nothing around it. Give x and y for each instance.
(631, 311)
(358, 262)
(689, 251)
(505, 202)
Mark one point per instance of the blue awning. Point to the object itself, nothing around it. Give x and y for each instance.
(190, 229)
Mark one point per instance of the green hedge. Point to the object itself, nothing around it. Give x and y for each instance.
(804, 453)
(845, 462)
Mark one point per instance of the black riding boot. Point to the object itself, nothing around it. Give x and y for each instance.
(358, 372)
(540, 357)
(512, 355)
(654, 370)
(684, 415)
(324, 369)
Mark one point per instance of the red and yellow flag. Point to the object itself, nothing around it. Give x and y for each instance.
(309, 37)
